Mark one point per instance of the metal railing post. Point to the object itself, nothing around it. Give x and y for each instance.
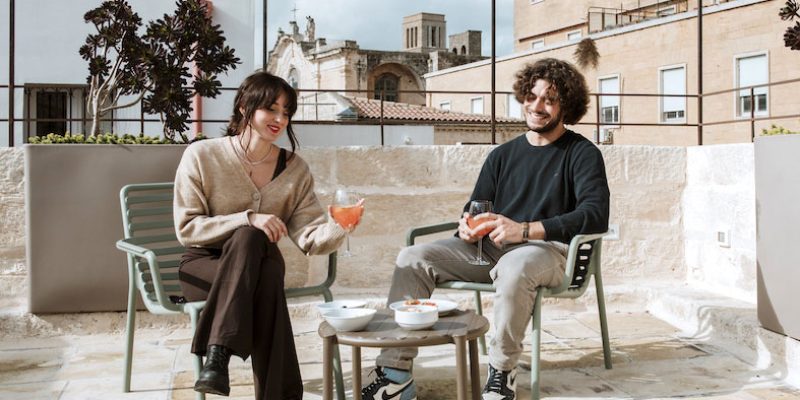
(382, 138)
(752, 115)
(11, 74)
(597, 118)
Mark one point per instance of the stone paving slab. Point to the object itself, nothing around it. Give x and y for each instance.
(652, 360)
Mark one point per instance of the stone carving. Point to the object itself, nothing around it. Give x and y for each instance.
(310, 29)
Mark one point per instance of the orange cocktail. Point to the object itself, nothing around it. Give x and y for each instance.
(346, 216)
(473, 223)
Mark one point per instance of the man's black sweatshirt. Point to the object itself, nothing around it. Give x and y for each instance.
(562, 184)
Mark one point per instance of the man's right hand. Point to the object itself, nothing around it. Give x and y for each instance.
(270, 225)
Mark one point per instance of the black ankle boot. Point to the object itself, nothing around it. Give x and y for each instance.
(214, 375)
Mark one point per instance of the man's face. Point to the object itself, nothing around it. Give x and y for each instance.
(542, 108)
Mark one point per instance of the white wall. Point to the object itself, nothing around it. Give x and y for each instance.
(49, 33)
(359, 135)
(720, 196)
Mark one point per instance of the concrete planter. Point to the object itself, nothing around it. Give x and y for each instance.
(777, 221)
(73, 220)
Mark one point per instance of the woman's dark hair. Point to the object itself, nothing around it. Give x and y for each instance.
(260, 91)
(568, 82)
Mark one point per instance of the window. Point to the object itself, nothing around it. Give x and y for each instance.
(609, 105)
(663, 12)
(294, 79)
(514, 107)
(750, 71)
(574, 35)
(537, 44)
(445, 105)
(476, 105)
(386, 83)
(672, 80)
(51, 106)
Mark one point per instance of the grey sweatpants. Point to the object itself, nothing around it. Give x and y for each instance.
(516, 271)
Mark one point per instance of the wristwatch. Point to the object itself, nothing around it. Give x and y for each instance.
(525, 231)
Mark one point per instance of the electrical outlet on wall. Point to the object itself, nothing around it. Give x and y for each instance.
(724, 237)
(613, 232)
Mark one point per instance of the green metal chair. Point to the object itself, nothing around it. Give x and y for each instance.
(583, 261)
(153, 258)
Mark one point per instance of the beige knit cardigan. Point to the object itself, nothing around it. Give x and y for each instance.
(214, 196)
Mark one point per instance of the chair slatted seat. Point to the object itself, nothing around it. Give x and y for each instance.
(154, 253)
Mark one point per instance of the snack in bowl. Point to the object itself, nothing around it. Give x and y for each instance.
(349, 319)
(445, 306)
(416, 317)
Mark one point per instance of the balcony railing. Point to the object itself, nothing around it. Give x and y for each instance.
(311, 110)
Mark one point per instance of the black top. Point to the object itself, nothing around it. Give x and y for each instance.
(562, 184)
(281, 164)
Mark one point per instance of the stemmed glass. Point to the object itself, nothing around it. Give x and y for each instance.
(346, 211)
(477, 207)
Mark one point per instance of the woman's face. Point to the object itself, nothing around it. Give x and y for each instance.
(268, 123)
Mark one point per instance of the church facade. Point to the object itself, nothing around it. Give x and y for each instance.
(314, 64)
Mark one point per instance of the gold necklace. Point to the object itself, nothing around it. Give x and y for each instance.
(246, 159)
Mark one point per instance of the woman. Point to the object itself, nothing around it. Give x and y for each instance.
(235, 197)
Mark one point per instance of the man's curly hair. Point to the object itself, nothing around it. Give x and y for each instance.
(566, 80)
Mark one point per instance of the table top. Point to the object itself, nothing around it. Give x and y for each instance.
(383, 331)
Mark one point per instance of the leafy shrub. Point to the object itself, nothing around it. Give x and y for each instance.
(776, 130)
(108, 138)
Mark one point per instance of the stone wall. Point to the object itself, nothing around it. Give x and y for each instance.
(720, 196)
(663, 199)
(12, 229)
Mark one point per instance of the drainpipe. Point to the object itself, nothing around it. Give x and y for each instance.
(197, 100)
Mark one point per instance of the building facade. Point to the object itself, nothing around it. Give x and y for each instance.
(650, 47)
(314, 63)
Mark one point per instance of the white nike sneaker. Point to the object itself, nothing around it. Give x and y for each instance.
(501, 385)
(390, 384)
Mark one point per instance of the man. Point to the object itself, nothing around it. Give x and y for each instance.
(547, 186)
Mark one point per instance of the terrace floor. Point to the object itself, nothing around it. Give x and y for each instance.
(652, 359)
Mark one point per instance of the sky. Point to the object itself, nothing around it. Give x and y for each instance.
(377, 24)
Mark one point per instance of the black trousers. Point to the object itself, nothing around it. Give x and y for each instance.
(245, 308)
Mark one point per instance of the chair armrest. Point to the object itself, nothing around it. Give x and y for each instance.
(128, 246)
(415, 232)
(572, 258)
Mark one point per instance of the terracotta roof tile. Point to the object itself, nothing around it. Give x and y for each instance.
(371, 109)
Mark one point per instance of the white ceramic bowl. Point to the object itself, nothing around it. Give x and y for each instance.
(349, 319)
(332, 305)
(416, 317)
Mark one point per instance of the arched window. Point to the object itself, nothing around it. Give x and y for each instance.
(463, 50)
(455, 50)
(294, 78)
(388, 84)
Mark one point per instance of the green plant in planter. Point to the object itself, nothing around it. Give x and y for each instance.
(777, 130)
(108, 138)
(154, 67)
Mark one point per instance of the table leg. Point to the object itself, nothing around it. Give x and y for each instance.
(461, 366)
(327, 368)
(356, 373)
(474, 370)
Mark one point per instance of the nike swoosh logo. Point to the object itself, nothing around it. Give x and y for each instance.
(513, 379)
(386, 396)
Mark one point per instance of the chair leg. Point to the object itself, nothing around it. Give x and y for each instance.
(479, 311)
(337, 360)
(536, 340)
(601, 308)
(130, 326)
(194, 315)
